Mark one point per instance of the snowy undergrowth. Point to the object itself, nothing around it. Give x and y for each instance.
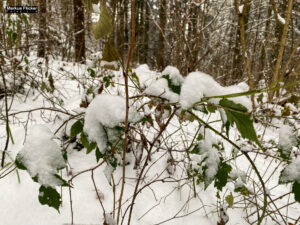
(190, 173)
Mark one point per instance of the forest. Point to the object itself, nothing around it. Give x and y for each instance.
(149, 112)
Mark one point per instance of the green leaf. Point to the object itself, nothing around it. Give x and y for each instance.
(14, 37)
(65, 154)
(196, 150)
(99, 155)
(222, 175)
(92, 146)
(237, 113)
(49, 196)
(103, 27)
(200, 137)
(136, 78)
(296, 191)
(243, 190)
(26, 60)
(91, 72)
(84, 141)
(230, 200)
(175, 88)
(211, 108)
(76, 128)
(19, 163)
(51, 82)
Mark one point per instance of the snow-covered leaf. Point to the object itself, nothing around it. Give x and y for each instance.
(291, 172)
(287, 140)
(173, 87)
(41, 157)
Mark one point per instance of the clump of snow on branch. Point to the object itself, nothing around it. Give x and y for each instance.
(106, 111)
(174, 75)
(291, 172)
(287, 139)
(281, 20)
(41, 156)
(145, 75)
(160, 86)
(198, 85)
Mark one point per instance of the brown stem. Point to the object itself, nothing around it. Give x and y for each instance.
(127, 105)
(6, 115)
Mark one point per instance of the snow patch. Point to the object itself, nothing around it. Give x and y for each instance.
(198, 85)
(106, 111)
(42, 156)
(291, 172)
(160, 88)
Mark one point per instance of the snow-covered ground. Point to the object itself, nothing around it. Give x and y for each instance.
(165, 198)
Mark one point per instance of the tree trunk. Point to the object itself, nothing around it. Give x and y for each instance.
(161, 42)
(42, 28)
(79, 31)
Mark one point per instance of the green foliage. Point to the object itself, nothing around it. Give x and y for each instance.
(108, 80)
(49, 196)
(222, 175)
(175, 88)
(237, 113)
(84, 141)
(104, 26)
(76, 128)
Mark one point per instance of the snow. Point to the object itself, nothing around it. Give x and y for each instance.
(291, 172)
(198, 85)
(108, 111)
(158, 201)
(174, 75)
(96, 8)
(114, 64)
(287, 139)
(241, 8)
(209, 154)
(160, 88)
(281, 20)
(145, 75)
(42, 156)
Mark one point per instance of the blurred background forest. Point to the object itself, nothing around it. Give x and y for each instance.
(233, 40)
